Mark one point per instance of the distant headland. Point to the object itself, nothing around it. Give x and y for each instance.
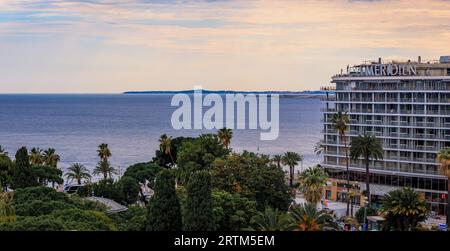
(296, 93)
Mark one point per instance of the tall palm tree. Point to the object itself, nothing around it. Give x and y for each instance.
(3, 150)
(165, 145)
(308, 218)
(103, 167)
(78, 172)
(7, 212)
(341, 123)
(37, 156)
(272, 220)
(277, 160)
(443, 158)
(225, 135)
(103, 152)
(51, 159)
(404, 208)
(312, 182)
(369, 148)
(291, 159)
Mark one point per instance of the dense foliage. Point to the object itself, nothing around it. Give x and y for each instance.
(253, 176)
(164, 212)
(198, 214)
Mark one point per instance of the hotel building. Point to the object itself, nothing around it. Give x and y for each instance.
(407, 106)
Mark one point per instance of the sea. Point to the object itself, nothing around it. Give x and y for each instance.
(75, 124)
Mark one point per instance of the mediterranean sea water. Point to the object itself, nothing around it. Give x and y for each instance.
(75, 124)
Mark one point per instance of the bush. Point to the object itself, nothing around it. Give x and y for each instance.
(232, 212)
(84, 191)
(134, 219)
(41, 223)
(108, 189)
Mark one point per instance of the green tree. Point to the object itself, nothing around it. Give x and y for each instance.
(51, 159)
(129, 188)
(164, 160)
(369, 148)
(23, 175)
(164, 211)
(291, 159)
(253, 176)
(143, 173)
(103, 167)
(308, 218)
(232, 212)
(103, 152)
(7, 212)
(3, 150)
(199, 214)
(272, 220)
(443, 159)
(312, 182)
(404, 208)
(45, 175)
(108, 188)
(165, 145)
(77, 172)
(199, 154)
(225, 135)
(5, 171)
(277, 159)
(341, 123)
(133, 219)
(37, 156)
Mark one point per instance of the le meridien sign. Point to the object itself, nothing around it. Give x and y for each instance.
(387, 70)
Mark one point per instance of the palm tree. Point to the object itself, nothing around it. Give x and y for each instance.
(443, 158)
(369, 148)
(308, 218)
(103, 167)
(277, 160)
(51, 159)
(37, 156)
(225, 136)
(312, 182)
(271, 220)
(404, 208)
(291, 159)
(7, 211)
(165, 145)
(340, 122)
(3, 150)
(103, 152)
(78, 172)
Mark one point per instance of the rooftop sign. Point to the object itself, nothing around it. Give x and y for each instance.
(386, 70)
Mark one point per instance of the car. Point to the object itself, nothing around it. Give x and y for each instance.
(72, 188)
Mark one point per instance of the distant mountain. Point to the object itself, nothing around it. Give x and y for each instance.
(230, 92)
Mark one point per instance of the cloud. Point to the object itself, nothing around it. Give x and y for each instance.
(284, 36)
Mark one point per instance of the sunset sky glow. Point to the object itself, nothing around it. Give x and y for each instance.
(100, 46)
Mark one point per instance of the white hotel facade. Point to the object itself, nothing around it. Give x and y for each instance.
(407, 106)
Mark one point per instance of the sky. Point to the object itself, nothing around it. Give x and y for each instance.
(111, 46)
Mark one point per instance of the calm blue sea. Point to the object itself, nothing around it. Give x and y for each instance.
(131, 124)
